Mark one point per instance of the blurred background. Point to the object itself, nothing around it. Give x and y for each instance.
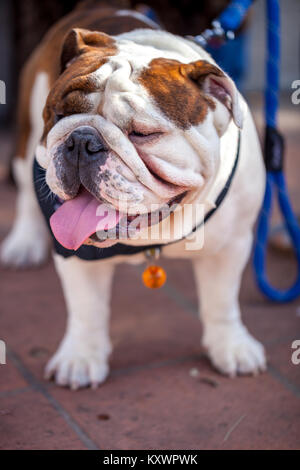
(162, 392)
(23, 24)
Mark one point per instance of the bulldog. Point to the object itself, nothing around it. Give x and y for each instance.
(125, 121)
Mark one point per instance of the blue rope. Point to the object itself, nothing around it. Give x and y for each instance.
(275, 181)
(233, 15)
(231, 19)
(274, 162)
(272, 63)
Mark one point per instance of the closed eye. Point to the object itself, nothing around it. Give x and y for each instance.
(141, 137)
(138, 134)
(58, 117)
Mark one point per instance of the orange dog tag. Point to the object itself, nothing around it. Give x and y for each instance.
(154, 277)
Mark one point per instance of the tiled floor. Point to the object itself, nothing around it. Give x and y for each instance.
(150, 400)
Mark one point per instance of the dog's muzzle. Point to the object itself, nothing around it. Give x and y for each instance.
(83, 146)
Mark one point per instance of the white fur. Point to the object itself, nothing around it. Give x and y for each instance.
(123, 100)
(28, 242)
(218, 269)
(231, 348)
(83, 354)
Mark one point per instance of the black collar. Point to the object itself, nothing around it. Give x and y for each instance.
(88, 252)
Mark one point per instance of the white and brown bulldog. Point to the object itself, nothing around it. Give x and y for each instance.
(128, 118)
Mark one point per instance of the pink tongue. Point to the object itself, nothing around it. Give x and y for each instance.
(77, 219)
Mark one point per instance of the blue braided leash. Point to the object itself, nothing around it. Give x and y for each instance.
(233, 15)
(222, 29)
(276, 184)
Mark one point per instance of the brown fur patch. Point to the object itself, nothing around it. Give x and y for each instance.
(46, 57)
(79, 41)
(176, 89)
(69, 93)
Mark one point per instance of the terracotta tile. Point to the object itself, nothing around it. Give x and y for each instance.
(280, 358)
(28, 421)
(10, 379)
(148, 326)
(33, 314)
(150, 400)
(166, 408)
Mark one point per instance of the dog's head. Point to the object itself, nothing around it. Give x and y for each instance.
(129, 127)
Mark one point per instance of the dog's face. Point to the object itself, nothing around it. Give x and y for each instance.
(133, 128)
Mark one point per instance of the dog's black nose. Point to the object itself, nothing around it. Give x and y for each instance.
(85, 144)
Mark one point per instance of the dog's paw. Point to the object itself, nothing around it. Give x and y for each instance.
(233, 350)
(25, 247)
(76, 367)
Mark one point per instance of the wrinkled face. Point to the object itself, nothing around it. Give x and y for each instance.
(131, 129)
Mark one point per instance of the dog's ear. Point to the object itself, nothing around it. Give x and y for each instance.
(79, 41)
(213, 81)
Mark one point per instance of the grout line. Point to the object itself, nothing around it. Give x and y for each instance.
(178, 297)
(37, 386)
(294, 389)
(181, 299)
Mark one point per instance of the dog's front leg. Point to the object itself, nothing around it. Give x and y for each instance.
(82, 357)
(230, 346)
